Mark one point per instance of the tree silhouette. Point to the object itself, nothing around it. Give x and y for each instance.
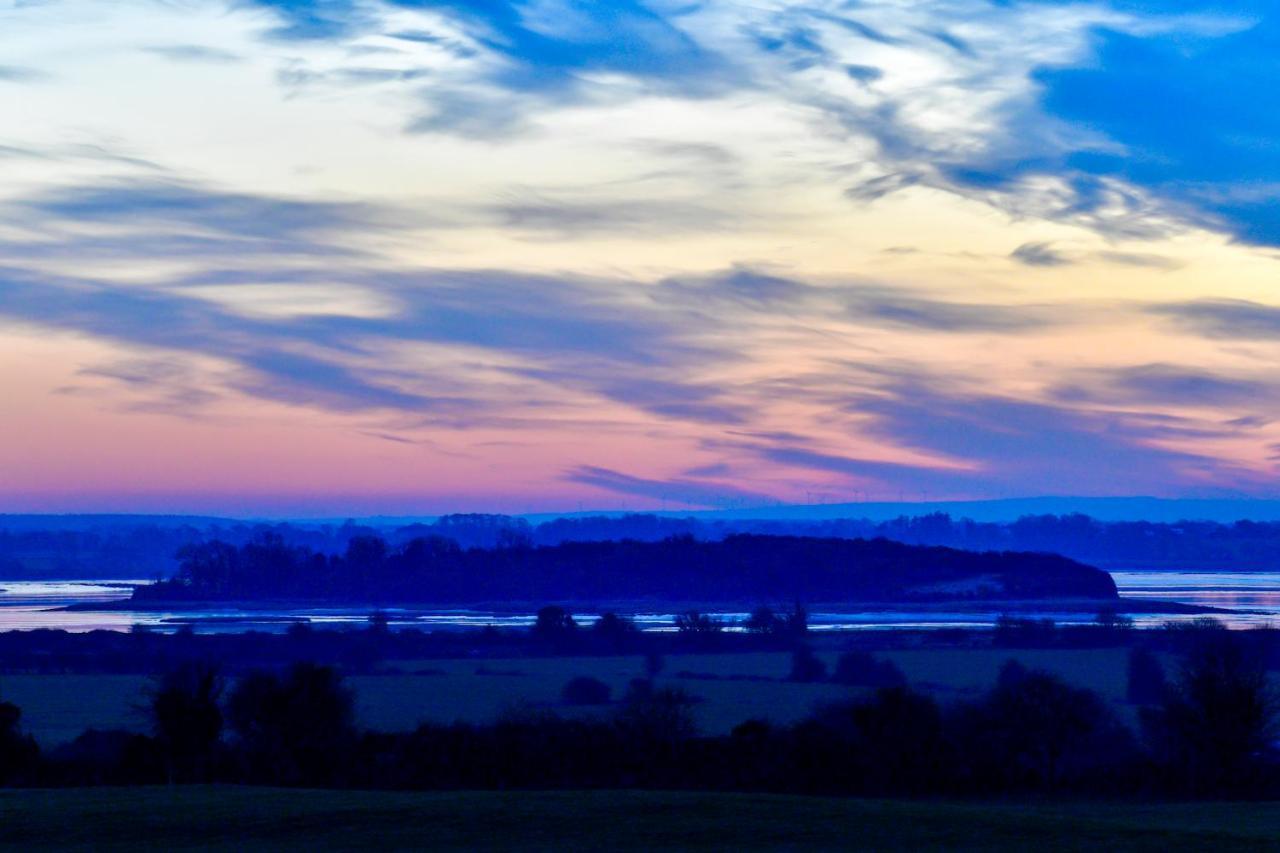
(806, 666)
(763, 621)
(890, 742)
(585, 690)
(555, 626)
(18, 752)
(656, 718)
(186, 719)
(1034, 731)
(616, 631)
(861, 669)
(698, 624)
(297, 728)
(1214, 728)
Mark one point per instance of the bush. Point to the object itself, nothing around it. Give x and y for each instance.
(186, 718)
(695, 623)
(554, 625)
(860, 669)
(1147, 684)
(1017, 633)
(763, 621)
(656, 718)
(295, 728)
(1036, 732)
(18, 752)
(806, 666)
(890, 743)
(585, 690)
(612, 629)
(109, 758)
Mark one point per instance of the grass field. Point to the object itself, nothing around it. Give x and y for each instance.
(56, 708)
(250, 818)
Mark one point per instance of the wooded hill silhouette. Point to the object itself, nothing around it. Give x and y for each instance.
(679, 569)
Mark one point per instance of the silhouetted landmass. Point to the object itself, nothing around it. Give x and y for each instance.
(145, 547)
(741, 568)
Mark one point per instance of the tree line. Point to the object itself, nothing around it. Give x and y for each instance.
(118, 548)
(1208, 731)
(378, 646)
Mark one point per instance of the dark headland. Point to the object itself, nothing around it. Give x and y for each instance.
(681, 569)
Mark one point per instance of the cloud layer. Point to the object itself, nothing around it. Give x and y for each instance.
(709, 252)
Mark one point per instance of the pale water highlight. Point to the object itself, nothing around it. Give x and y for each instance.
(1252, 597)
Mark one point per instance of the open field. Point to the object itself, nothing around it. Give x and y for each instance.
(251, 818)
(56, 708)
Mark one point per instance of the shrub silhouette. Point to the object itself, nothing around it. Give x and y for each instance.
(763, 621)
(19, 754)
(766, 622)
(555, 626)
(806, 666)
(294, 729)
(1146, 681)
(186, 719)
(695, 623)
(109, 758)
(1036, 732)
(861, 669)
(585, 690)
(617, 632)
(656, 717)
(893, 742)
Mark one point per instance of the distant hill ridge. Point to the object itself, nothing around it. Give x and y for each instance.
(130, 547)
(996, 510)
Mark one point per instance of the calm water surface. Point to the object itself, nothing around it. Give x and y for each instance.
(1253, 598)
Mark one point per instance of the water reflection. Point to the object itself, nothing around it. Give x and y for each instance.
(26, 605)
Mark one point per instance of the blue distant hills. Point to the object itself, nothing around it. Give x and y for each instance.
(1164, 510)
(1161, 510)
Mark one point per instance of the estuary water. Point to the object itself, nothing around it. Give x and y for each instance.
(1252, 597)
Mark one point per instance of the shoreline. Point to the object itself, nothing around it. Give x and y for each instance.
(1120, 606)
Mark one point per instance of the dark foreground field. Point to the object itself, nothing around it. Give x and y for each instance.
(57, 707)
(240, 818)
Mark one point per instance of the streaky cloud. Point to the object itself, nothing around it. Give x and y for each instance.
(967, 441)
(886, 307)
(693, 492)
(1224, 319)
(1039, 255)
(166, 202)
(1145, 260)
(195, 53)
(669, 398)
(572, 218)
(22, 74)
(1170, 385)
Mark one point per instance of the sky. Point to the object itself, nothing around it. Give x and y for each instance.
(419, 256)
